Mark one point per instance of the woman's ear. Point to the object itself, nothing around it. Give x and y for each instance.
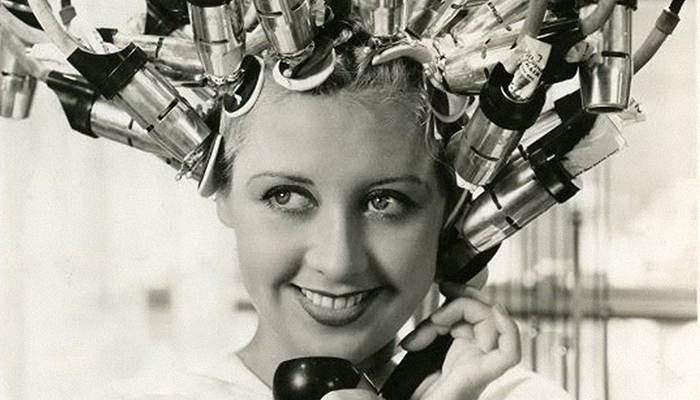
(223, 209)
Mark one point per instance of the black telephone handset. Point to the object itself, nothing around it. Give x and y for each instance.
(311, 378)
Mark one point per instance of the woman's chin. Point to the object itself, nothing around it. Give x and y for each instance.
(362, 354)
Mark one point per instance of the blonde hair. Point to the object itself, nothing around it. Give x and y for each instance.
(354, 78)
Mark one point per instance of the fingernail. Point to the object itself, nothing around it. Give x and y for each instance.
(501, 310)
(405, 340)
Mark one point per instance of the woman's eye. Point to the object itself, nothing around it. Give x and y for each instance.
(292, 200)
(380, 203)
(282, 198)
(388, 205)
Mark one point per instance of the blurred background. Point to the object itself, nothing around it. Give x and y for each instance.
(110, 270)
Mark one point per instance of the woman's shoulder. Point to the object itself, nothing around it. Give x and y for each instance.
(522, 384)
(222, 378)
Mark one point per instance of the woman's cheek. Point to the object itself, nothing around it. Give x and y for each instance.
(408, 253)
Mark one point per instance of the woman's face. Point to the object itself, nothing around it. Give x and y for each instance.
(336, 210)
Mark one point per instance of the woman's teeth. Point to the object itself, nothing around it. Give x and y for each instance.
(336, 303)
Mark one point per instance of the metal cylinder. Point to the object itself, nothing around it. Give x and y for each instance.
(219, 35)
(512, 202)
(605, 86)
(167, 117)
(491, 15)
(111, 122)
(466, 68)
(179, 54)
(16, 85)
(484, 148)
(384, 18)
(287, 25)
(423, 15)
(436, 15)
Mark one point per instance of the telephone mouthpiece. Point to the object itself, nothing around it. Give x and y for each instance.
(311, 378)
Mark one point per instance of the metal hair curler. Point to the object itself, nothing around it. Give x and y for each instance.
(541, 175)
(166, 17)
(17, 86)
(93, 116)
(433, 17)
(465, 69)
(219, 36)
(525, 189)
(495, 129)
(605, 85)
(288, 26)
(125, 78)
(384, 19)
(173, 56)
(176, 57)
(491, 15)
(305, 61)
(96, 117)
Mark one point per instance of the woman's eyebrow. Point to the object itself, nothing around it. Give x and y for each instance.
(272, 174)
(402, 179)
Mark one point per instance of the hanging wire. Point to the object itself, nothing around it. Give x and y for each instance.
(13, 24)
(535, 15)
(676, 6)
(665, 25)
(18, 50)
(62, 39)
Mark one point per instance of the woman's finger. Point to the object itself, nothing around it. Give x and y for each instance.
(423, 335)
(486, 335)
(461, 309)
(508, 354)
(463, 330)
(453, 290)
(477, 294)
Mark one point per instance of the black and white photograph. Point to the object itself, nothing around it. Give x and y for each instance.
(349, 200)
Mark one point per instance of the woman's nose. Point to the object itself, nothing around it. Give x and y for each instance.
(337, 246)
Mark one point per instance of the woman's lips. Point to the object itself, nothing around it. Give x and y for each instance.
(333, 310)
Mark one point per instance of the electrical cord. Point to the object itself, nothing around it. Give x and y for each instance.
(18, 50)
(665, 25)
(536, 11)
(25, 32)
(675, 6)
(62, 39)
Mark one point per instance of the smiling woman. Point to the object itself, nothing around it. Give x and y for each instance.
(337, 210)
(336, 205)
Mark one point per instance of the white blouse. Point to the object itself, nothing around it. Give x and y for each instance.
(230, 379)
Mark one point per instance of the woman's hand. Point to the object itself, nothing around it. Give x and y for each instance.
(486, 344)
